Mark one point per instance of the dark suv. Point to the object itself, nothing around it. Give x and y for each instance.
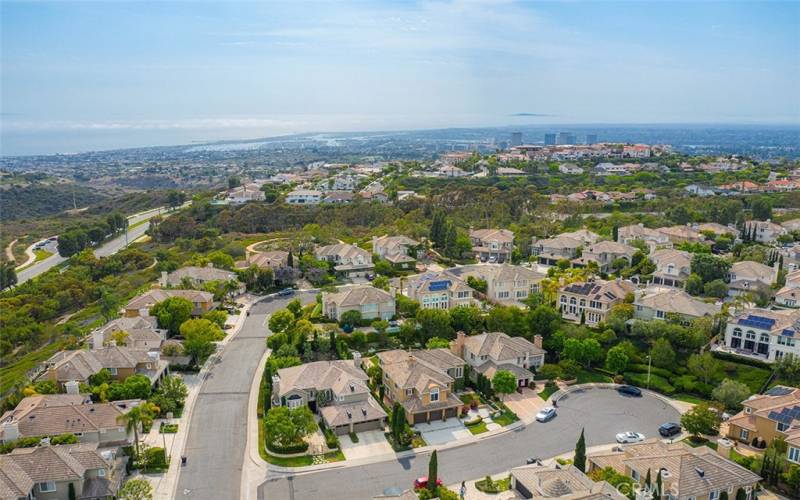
(629, 390)
(669, 429)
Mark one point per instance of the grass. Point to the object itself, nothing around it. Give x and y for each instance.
(753, 376)
(302, 461)
(496, 486)
(16, 372)
(689, 398)
(548, 391)
(478, 428)
(506, 418)
(40, 255)
(592, 377)
(700, 442)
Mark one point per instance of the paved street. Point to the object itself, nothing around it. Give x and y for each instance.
(218, 429)
(602, 412)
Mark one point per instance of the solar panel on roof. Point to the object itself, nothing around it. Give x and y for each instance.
(757, 322)
(787, 333)
(779, 390)
(438, 286)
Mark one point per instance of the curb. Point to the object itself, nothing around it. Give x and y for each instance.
(556, 396)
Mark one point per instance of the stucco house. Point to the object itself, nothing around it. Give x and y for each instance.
(198, 276)
(682, 234)
(492, 245)
(348, 260)
(591, 301)
(554, 481)
(121, 362)
(400, 251)
(141, 332)
(271, 259)
(244, 193)
(764, 334)
(766, 417)
(140, 305)
(653, 238)
(505, 283)
(488, 353)
(604, 253)
(371, 302)
(763, 231)
(748, 276)
(660, 303)
(438, 290)
(673, 267)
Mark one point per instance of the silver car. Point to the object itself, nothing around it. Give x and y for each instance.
(545, 414)
(629, 437)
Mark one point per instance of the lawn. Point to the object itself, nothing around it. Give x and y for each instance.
(689, 398)
(592, 377)
(753, 376)
(478, 428)
(548, 391)
(506, 418)
(14, 373)
(302, 461)
(701, 442)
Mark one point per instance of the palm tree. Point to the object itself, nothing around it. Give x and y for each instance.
(138, 416)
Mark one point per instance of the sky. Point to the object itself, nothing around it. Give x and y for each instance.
(82, 76)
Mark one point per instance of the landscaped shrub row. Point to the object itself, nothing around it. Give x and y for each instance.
(300, 447)
(657, 382)
(661, 372)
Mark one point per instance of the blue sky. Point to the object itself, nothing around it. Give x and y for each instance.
(79, 76)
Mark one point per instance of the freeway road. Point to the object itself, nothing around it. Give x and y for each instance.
(217, 437)
(601, 412)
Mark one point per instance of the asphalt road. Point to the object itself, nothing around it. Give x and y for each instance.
(215, 445)
(602, 412)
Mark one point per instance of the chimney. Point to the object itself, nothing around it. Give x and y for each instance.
(97, 339)
(163, 280)
(10, 430)
(724, 447)
(357, 359)
(537, 341)
(457, 346)
(72, 387)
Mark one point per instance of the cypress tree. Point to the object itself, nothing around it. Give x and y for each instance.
(740, 494)
(579, 461)
(71, 491)
(290, 259)
(432, 472)
(332, 338)
(659, 487)
(648, 480)
(723, 495)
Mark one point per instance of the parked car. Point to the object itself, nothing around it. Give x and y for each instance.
(286, 292)
(629, 437)
(545, 414)
(629, 390)
(669, 429)
(422, 482)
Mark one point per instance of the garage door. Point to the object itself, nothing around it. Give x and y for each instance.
(420, 418)
(451, 412)
(367, 426)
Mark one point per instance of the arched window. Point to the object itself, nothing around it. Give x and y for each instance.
(737, 332)
(764, 338)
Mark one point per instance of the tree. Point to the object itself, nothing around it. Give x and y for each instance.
(171, 394)
(234, 181)
(199, 336)
(351, 318)
(175, 198)
(504, 382)
(579, 460)
(716, 288)
(296, 307)
(659, 493)
(435, 323)
(135, 418)
(437, 343)
(788, 369)
(286, 426)
(731, 393)
(761, 208)
(792, 478)
(433, 473)
(172, 313)
(704, 366)
(467, 319)
(701, 419)
(136, 489)
(281, 320)
(616, 359)
(8, 276)
(543, 320)
(662, 354)
(694, 285)
(584, 351)
(709, 267)
(290, 259)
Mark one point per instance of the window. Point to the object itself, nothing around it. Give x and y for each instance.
(409, 392)
(737, 332)
(635, 475)
(101, 473)
(744, 434)
(713, 495)
(459, 372)
(782, 427)
(661, 314)
(112, 371)
(794, 455)
(47, 487)
(748, 410)
(434, 394)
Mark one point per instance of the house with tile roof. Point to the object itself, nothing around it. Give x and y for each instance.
(789, 294)
(563, 246)
(763, 231)
(718, 229)
(591, 301)
(400, 251)
(120, 361)
(700, 473)
(141, 304)
(348, 260)
(141, 332)
(763, 334)
(505, 283)
(442, 290)
(682, 234)
(748, 276)
(193, 276)
(55, 414)
(660, 303)
(638, 232)
(424, 382)
(265, 260)
(537, 481)
(673, 267)
(604, 253)
(488, 353)
(244, 193)
(336, 390)
(371, 302)
(492, 245)
(47, 472)
(766, 417)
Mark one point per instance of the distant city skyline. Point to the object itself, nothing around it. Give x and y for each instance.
(89, 76)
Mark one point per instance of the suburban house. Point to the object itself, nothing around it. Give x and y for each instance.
(672, 267)
(438, 290)
(765, 417)
(604, 253)
(763, 231)
(505, 283)
(638, 232)
(338, 197)
(424, 382)
(700, 473)
(789, 295)
(491, 352)
(764, 334)
(304, 197)
(140, 305)
(791, 225)
(271, 259)
(55, 414)
(748, 276)
(371, 302)
(244, 193)
(47, 472)
(570, 169)
(718, 229)
(682, 234)
(121, 362)
(336, 390)
(399, 250)
(591, 301)
(492, 245)
(563, 246)
(348, 260)
(197, 276)
(568, 482)
(141, 332)
(659, 303)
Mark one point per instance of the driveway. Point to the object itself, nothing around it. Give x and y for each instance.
(370, 444)
(526, 404)
(440, 432)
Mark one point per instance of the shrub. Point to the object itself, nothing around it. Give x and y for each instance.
(685, 383)
(153, 459)
(642, 368)
(299, 447)
(353, 437)
(657, 382)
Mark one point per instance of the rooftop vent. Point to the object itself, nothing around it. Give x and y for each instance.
(364, 411)
(349, 415)
(700, 472)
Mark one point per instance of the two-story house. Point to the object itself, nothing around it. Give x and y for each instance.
(348, 260)
(748, 276)
(371, 302)
(764, 334)
(141, 304)
(660, 303)
(591, 301)
(682, 234)
(556, 481)
(491, 352)
(766, 417)
(140, 333)
(653, 238)
(272, 259)
(245, 193)
(424, 382)
(400, 251)
(304, 197)
(120, 361)
(789, 294)
(763, 231)
(194, 276)
(604, 253)
(673, 267)
(505, 283)
(438, 290)
(492, 245)
(336, 390)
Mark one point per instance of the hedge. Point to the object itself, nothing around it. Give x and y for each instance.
(657, 382)
(654, 370)
(300, 447)
(741, 360)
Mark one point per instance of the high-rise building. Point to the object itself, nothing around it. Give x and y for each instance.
(565, 138)
(549, 139)
(516, 139)
(591, 138)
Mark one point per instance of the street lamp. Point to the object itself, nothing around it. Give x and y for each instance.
(649, 362)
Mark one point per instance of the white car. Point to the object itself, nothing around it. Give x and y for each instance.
(545, 414)
(629, 437)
